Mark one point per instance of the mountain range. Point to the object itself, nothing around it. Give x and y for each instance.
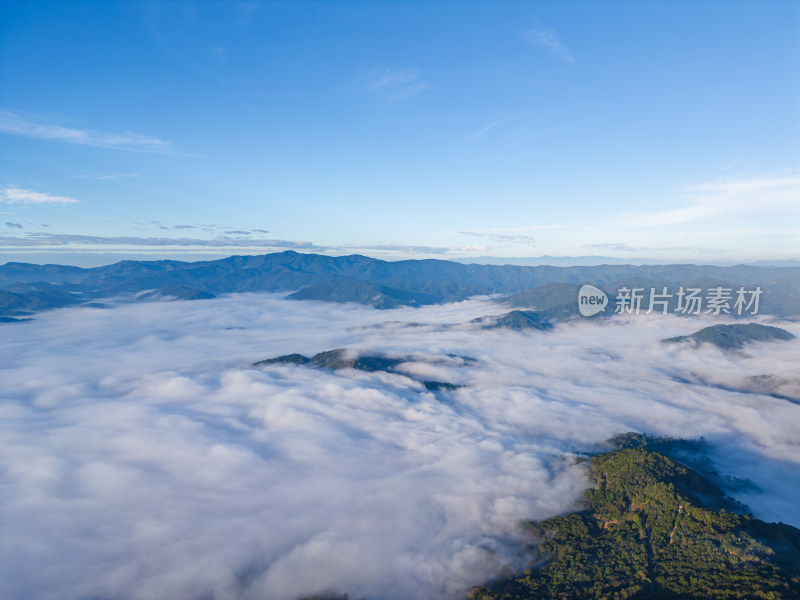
(28, 287)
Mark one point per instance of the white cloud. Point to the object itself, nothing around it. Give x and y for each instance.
(544, 36)
(148, 461)
(738, 187)
(55, 239)
(507, 238)
(486, 129)
(14, 124)
(512, 137)
(525, 228)
(17, 195)
(397, 84)
(725, 200)
(109, 176)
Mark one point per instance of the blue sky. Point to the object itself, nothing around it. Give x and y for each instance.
(666, 130)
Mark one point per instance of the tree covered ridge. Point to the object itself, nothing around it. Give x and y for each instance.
(650, 529)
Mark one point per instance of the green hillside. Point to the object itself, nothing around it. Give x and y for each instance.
(648, 531)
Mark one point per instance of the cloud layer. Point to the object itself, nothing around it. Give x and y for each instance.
(144, 459)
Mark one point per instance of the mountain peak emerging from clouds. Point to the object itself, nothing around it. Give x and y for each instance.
(734, 336)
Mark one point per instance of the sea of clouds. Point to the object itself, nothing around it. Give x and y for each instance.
(142, 458)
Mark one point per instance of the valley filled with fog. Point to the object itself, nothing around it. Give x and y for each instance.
(143, 457)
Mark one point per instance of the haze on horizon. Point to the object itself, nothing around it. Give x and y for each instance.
(659, 130)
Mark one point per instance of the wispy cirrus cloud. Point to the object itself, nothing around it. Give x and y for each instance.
(486, 129)
(723, 198)
(14, 124)
(502, 237)
(510, 234)
(16, 195)
(109, 176)
(397, 84)
(736, 187)
(511, 137)
(544, 36)
(215, 230)
(525, 228)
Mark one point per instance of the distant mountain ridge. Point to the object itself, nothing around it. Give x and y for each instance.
(379, 283)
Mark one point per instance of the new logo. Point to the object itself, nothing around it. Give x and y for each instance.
(591, 300)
